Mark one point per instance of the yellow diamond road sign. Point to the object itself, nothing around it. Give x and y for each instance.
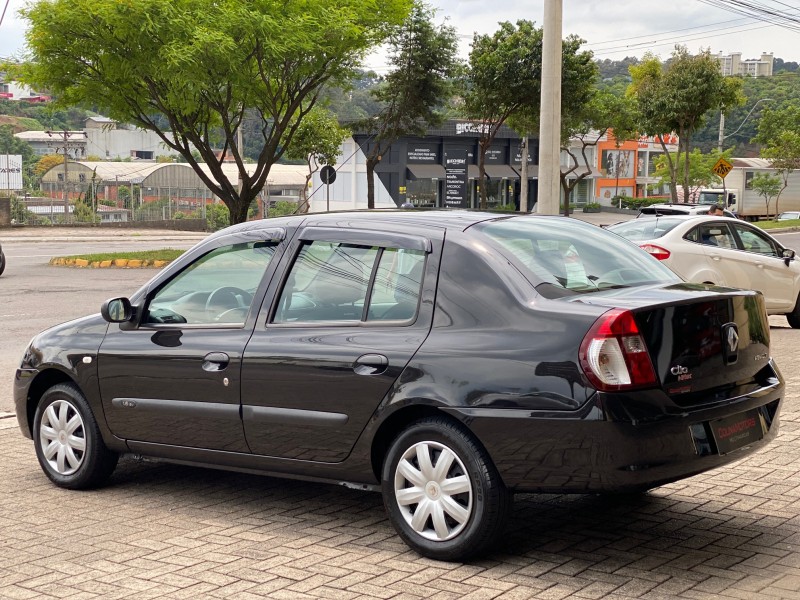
(722, 167)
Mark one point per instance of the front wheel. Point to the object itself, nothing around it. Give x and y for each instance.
(68, 444)
(2, 262)
(442, 492)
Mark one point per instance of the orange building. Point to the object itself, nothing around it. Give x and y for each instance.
(628, 168)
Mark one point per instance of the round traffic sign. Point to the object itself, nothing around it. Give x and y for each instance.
(327, 174)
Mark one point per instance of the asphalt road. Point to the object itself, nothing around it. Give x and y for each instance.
(35, 296)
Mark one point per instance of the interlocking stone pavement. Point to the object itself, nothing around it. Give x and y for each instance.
(169, 532)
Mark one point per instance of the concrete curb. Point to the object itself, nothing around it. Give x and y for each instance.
(120, 263)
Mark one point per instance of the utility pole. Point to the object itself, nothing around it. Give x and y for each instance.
(723, 137)
(65, 148)
(550, 112)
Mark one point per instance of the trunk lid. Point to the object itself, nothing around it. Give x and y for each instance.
(700, 338)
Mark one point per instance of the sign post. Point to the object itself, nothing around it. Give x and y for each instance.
(721, 168)
(328, 175)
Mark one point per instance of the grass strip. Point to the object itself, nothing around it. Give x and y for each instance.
(778, 224)
(168, 254)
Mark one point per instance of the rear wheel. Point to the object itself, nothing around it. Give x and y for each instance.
(68, 444)
(442, 492)
(2, 262)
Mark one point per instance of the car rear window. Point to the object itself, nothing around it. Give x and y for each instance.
(563, 256)
(639, 230)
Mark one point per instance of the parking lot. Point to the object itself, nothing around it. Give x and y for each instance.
(165, 531)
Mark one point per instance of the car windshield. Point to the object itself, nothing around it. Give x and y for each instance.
(639, 230)
(562, 256)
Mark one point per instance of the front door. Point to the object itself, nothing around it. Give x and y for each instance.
(174, 378)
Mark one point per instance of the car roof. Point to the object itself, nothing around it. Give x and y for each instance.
(439, 219)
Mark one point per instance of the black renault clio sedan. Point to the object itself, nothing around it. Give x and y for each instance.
(446, 358)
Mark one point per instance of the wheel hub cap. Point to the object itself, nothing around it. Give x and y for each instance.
(62, 438)
(433, 491)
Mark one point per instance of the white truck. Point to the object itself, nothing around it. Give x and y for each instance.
(739, 197)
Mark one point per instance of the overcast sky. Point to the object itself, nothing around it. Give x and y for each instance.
(612, 29)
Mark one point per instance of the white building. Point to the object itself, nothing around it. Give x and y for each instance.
(732, 64)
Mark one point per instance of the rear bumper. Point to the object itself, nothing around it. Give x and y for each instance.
(592, 453)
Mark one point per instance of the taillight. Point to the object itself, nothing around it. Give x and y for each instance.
(657, 251)
(613, 354)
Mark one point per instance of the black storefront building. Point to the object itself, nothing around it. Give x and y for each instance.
(441, 169)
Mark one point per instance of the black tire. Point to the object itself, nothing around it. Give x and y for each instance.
(470, 520)
(2, 263)
(794, 316)
(68, 443)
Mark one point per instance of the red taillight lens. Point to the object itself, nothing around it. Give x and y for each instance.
(657, 251)
(613, 354)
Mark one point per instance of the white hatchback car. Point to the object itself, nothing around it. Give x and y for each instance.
(722, 251)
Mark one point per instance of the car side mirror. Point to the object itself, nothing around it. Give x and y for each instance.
(787, 255)
(117, 310)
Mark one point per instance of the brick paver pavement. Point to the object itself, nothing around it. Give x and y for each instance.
(169, 532)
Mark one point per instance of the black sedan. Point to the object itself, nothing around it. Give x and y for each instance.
(446, 358)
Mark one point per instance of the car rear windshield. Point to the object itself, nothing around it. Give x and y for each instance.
(639, 230)
(563, 256)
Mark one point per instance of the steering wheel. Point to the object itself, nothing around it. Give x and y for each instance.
(225, 298)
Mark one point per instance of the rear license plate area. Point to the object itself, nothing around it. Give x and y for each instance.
(737, 431)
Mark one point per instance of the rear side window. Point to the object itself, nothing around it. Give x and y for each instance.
(563, 256)
(345, 283)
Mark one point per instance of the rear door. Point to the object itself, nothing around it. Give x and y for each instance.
(350, 311)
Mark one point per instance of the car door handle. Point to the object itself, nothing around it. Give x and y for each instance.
(371, 364)
(215, 361)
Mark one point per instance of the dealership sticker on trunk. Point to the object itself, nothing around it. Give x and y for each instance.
(737, 430)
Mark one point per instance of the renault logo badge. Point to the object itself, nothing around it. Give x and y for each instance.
(730, 340)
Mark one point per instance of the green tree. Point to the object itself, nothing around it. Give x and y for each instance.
(779, 132)
(700, 174)
(197, 67)
(676, 97)
(317, 142)
(423, 60)
(767, 186)
(602, 113)
(503, 78)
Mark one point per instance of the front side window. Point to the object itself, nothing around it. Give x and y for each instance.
(216, 289)
(336, 282)
(754, 241)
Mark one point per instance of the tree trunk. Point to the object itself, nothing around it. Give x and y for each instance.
(238, 208)
(673, 171)
(371, 162)
(523, 181)
(567, 192)
(482, 173)
(686, 194)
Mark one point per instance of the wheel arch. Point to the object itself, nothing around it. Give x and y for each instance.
(393, 425)
(43, 381)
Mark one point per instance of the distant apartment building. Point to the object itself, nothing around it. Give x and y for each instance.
(732, 64)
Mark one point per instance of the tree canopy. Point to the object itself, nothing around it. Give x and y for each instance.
(423, 60)
(196, 67)
(677, 96)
